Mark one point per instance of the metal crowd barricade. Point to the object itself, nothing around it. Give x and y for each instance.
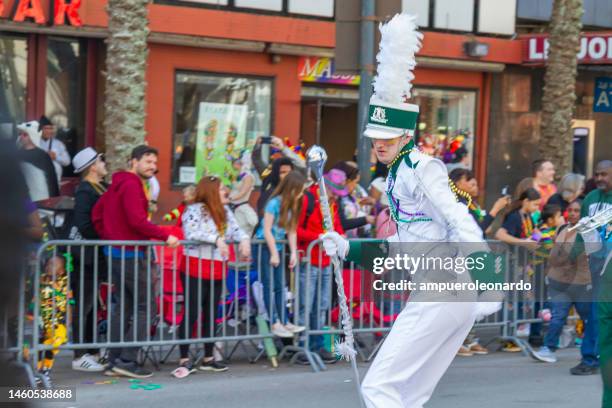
(14, 329)
(140, 284)
(526, 305)
(136, 281)
(373, 315)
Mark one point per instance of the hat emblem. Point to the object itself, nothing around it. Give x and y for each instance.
(379, 115)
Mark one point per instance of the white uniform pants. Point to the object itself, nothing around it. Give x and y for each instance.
(421, 345)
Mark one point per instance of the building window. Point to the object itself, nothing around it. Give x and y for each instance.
(216, 119)
(212, 2)
(319, 9)
(13, 81)
(65, 91)
(272, 5)
(446, 124)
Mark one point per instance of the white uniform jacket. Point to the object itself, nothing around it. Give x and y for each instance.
(427, 208)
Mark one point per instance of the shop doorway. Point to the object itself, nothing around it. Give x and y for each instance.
(331, 124)
(53, 76)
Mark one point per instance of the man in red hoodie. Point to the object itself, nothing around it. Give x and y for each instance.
(121, 214)
(316, 272)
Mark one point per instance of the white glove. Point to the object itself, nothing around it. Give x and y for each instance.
(592, 241)
(583, 224)
(335, 244)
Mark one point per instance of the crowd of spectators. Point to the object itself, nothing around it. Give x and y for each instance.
(286, 208)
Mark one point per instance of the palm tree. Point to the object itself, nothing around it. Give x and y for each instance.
(126, 60)
(560, 84)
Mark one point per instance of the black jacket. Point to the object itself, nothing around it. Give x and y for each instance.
(85, 198)
(349, 223)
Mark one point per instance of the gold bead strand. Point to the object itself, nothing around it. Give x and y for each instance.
(399, 156)
(459, 193)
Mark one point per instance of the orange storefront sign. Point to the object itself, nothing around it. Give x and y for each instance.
(321, 70)
(62, 12)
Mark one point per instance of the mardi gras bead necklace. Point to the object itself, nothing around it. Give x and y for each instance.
(394, 165)
(527, 225)
(460, 193)
(475, 208)
(471, 205)
(394, 203)
(54, 301)
(399, 156)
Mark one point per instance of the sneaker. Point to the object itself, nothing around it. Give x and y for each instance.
(104, 361)
(214, 366)
(510, 347)
(43, 380)
(280, 331)
(131, 370)
(545, 355)
(478, 349)
(183, 370)
(327, 357)
(294, 329)
(464, 351)
(584, 369)
(87, 363)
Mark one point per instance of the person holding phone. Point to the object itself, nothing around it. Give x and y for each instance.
(267, 150)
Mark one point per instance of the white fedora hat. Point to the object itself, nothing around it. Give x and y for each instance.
(84, 159)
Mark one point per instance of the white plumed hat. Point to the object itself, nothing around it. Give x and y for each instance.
(388, 115)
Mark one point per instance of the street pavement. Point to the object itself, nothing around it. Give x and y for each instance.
(498, 380)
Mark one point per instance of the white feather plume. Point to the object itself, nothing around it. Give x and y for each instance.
(399, 42)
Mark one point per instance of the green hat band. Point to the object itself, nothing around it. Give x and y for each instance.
(392, 118)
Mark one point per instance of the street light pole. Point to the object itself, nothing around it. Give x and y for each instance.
(366, 69)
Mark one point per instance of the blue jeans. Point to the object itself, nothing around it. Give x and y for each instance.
(536, 328)
(561, 297)
(590, 349)
(315, 296)
(272, 280)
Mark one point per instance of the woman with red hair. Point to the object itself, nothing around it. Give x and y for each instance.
(210, 221)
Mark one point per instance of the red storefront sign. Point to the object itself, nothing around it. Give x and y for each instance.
(64, 12)
(594, 49)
